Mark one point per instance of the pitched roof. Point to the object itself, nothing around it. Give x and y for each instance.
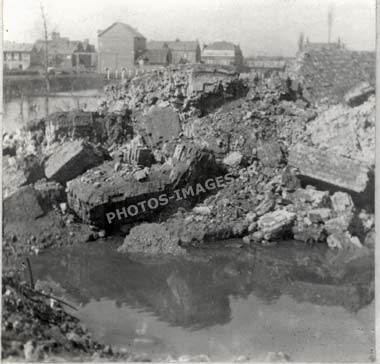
(176, 45)
(221, 46)
(134, 31)
(17, 47)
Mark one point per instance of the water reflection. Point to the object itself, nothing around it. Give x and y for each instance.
(18, 111)
(196, 292)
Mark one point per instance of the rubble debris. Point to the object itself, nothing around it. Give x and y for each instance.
(192, 90)
(33, 168)
(359, 94)
(342, 202)
(343, 241)
(191, 164)
(151, 239)
(319, 215)
(72, 159)
(309, 234)
(22, 205)
(328, 167)
(269, 154)
(158, 125)
(138, 155)
(36, 328)
(50, 193)
(233, 159)
(345, 131)
(275, 224)
(76, 124)
(340, 223)
(323, 71)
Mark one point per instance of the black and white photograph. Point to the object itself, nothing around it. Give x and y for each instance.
(188, 181)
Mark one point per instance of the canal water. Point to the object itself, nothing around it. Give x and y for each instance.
(224, 303)
(18, 111)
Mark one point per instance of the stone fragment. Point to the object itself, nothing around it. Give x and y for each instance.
(252, 227)
(138, 155)
(202, 210)
(308, 234)
(342, 202)
(251, 216)
(233, 159)
(340, 223)
(319, 215)
(269, 153)
(343, 241)
(50, 193)
(22, 205)
(273, 224)
(71, 160)
(359, 94)
(140, 175)
(289, 180)
(266, 205)
(151, 239)
(329, 167)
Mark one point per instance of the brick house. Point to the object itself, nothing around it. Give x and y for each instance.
(222, 53)
(120, 46)
(181, 51)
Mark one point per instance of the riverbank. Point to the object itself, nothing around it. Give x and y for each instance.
(186, 158)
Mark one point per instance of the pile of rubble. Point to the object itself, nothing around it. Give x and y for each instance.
(264, 114)
(347, 131)
(191, 90)
(155, 137)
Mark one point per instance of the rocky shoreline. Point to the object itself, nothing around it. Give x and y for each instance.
(202, 155)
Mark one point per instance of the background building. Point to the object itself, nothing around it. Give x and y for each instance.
(181, 51)
(65, 54)
(265, 66)
(17, 55)
(222, 53)
(120, 46)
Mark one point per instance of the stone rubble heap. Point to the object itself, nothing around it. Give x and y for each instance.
(177, 128)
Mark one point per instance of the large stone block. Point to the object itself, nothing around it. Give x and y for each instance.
(328, 167)
(71, 160)
(23, 205)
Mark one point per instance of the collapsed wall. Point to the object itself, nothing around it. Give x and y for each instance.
(193, 90)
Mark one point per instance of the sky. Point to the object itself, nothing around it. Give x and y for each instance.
(260, 27)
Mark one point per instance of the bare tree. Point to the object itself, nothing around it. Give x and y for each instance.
(46, 60)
